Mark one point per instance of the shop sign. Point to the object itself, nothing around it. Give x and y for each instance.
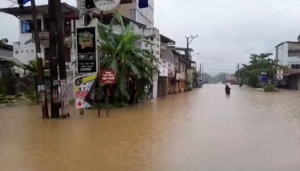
(86, 49)
(108, 76)
(106, 5)
(163, 69)
(171, 70)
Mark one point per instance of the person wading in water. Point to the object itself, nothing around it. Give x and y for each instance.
(227, 90)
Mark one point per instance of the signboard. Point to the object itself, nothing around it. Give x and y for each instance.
(84, 90)
(171, 70)
(106, 5)
(86, 50)
(279, 75)
(264, 78)
(279, 72)
(64, 97)
(108, 77)
(163, 69)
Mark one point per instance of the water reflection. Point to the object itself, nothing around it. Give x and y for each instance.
(199, 130)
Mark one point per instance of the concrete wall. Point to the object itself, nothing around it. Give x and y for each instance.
(6, 53)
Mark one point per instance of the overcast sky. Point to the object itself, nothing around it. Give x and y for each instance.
(179, 18)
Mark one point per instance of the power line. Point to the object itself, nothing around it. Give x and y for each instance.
(252, 22)
(1, 17)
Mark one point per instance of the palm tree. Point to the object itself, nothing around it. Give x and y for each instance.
(32, 67)
(133, 66)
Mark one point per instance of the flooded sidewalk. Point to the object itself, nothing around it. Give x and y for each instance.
(199, 130)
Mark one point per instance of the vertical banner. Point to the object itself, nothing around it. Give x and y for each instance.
(86, 50)
(84, 90)
(64, 97)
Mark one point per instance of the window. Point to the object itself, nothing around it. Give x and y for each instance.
(295, 66)
(157, 38)
(157, 52)
(146, 45)
(294, 53)
(27, 26)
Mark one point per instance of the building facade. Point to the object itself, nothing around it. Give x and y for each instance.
(24, 50)
(144, 15)
(288, 54)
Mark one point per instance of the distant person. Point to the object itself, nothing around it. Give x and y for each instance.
(227, 90)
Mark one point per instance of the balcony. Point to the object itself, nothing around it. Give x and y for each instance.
(44, 36)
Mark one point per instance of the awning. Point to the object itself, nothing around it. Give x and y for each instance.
(13, 61)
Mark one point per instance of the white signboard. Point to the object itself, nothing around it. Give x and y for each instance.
(279, 72)
(279, 77)
(106, 5)
(163, 69)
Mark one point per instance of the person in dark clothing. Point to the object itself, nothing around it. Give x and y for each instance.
(227, 89)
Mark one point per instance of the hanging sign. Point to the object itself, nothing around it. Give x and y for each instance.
(108, 76)
(83, 88)
(86, 50)
(106, 5)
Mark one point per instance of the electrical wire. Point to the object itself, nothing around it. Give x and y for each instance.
(252, 22)
(3, 14)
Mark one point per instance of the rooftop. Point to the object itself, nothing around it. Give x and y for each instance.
(16, 11)
(289, 42)
(7, 47)
(165, 39)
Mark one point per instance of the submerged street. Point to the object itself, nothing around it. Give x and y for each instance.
(198, 130)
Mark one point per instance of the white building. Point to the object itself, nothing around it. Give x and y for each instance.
(24, 50)
(288, 54)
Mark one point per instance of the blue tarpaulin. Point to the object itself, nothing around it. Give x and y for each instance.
(22, 3)
(143, 4)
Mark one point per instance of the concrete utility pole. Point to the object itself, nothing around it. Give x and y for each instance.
(57, 54)
(41, 78)
(53, 61)
(188, 42)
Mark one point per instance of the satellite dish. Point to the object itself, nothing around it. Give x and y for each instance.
(86, 18)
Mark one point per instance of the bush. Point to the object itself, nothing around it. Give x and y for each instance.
(270, 88)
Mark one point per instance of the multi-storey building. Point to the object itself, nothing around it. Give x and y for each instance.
(24, 50)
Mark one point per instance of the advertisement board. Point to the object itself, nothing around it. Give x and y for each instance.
(86, 50)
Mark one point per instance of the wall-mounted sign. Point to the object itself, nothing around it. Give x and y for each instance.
(86, 50)
(106, 5)
(171, 69)
(163, 69)
(108, 76)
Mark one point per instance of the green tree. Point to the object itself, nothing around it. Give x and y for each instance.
(258, 64)
(133, 66)
(32, 68)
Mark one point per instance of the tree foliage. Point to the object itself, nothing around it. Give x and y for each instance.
(133, 66)
(250, 73)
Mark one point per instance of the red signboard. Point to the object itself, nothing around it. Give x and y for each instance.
(108, 76)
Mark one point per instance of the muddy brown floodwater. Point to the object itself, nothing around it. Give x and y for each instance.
(198, 130)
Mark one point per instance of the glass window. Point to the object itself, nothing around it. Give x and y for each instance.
(27, 26)
(295, 66)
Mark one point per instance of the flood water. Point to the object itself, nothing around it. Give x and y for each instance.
(198, 130)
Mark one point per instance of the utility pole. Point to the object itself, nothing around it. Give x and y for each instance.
(188, 42)
(60, 47)
(53, 61)
(200, 73)
(239, 79)
(41, 78)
